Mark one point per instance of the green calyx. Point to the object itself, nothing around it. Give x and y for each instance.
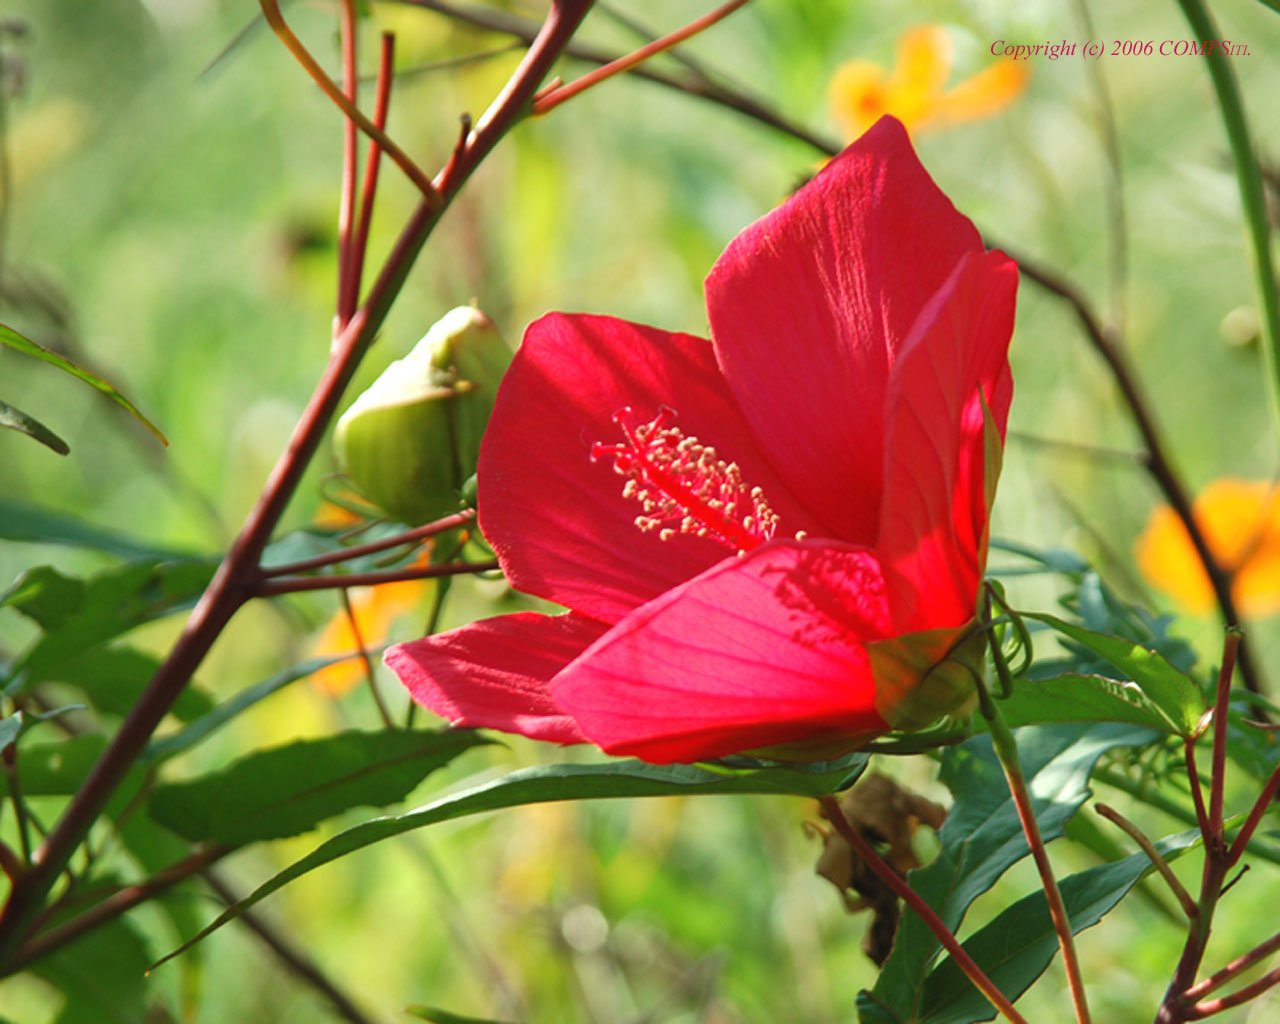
(411, 441)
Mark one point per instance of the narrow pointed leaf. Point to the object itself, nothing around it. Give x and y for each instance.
(982, 838)
(291, 789)
(207, 724)
(22, 521)
(1016, 947)
(10, 337)
(16, 419)
(438, 1016)
(78, 615)
(1085, 698)
(556, 783)
(1175, 694)
(9, 729)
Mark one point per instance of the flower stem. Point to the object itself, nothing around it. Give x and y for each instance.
(271, 11)
(1007, 751)
(347, 201)
(1148, 847)
(372, 548)
(369, 674)
(360, 243)
(831, 806)
(550, 100)
(293, 584)
(1252, 197)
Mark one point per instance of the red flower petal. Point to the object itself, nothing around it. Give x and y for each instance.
(756, 652)
(933, 518)
(810, 307)
(558, 520)
(495, 674)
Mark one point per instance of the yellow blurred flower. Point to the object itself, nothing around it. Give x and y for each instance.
(861, 92)
(375, 610)
(1241, 523)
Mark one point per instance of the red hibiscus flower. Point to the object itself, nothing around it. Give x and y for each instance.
(773, 541)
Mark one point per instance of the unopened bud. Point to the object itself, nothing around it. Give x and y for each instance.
(411, 441)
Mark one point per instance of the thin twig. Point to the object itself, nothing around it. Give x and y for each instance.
(9, 757)
(1007, 751)
(347, 200)
(123, 899)
(1237, 998)
(271, 11)
(1148, 847)
(1197, 793)
(694, 84)
(10, 863)
(295, 959)
(358, 635)
(1106, 343)
(1218, 772)
(381, 106)
(372, 547)
(550, 100)
(294, 584)
(1239, 964)
(1260, 806)
(950, 943)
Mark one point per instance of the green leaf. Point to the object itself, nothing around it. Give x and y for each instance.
(281, 792)
(1054, 560)
(58, 768)
(207, 724)
(554, 783)
(113, 678)
(1176, 696)
(438, 1016)
(1083, 698)
(1016, 947)
(78, 615)
(103, 975)
(45, 596)
(10, 337)
(9, 729)
(29, 523)
(16, 419)
(982, 838)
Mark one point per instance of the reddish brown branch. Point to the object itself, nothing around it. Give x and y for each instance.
(113, 906)
(831, 807)
(347, 202)
(1149, 848)
(372, 547)
(238, 575)
(552, 99)
(1238, 965)
(294, 584)
(271, 11)
(1238, 998)
(381, 106)
(295, 959)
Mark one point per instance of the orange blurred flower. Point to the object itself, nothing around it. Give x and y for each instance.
(1241, 524)
(375, 610)
(913, 92)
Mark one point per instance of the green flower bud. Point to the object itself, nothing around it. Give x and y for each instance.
(411, 441)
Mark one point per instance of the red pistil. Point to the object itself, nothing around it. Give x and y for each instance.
(684, 486)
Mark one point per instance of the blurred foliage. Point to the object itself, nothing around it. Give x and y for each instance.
(170, 226)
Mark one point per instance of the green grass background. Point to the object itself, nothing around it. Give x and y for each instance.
(186, 222)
